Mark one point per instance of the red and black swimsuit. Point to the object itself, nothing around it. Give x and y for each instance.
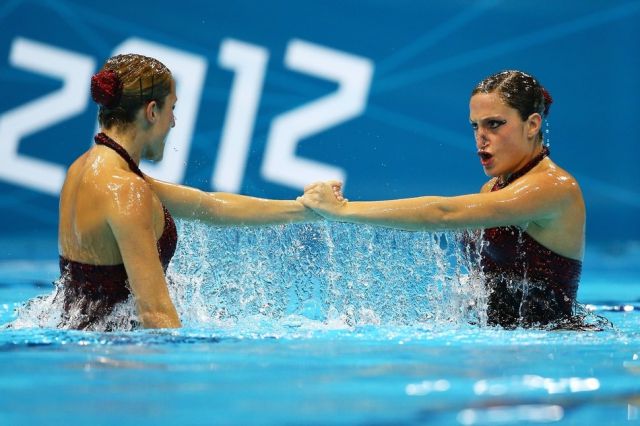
(92, 291)
(528, 284)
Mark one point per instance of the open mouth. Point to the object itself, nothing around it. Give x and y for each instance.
(485, 156)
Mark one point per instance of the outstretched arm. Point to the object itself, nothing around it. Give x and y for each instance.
(531, 198)
(229, 209)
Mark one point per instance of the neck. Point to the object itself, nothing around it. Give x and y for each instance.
(103, 139)
(128, 139)
(539, 154)
(537, 150)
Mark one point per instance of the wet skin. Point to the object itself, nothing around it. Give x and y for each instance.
(109, 215)
(546, 202)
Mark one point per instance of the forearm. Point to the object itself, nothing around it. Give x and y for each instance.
(233, 209)
(517, 205)
(413, 214)
(221, 208)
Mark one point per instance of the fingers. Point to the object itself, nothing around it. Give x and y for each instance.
(320, 191)
(337, 189)
(312, 186)
(332, 183)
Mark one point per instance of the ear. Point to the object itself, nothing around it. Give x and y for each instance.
(534, 123)
(151, 111)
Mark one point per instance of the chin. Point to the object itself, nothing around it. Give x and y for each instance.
(491, 172)
(157, 158)
(150, 155)
(159, 155)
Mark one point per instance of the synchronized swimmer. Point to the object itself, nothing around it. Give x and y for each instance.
(117, 233)
(531, 211)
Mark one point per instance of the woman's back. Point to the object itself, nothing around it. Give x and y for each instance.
(98, 186)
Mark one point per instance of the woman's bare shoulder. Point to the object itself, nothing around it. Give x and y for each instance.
(488, 185)
(554, 176)
(106, 183)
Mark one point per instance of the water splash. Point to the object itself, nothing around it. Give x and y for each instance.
(547, 135)
(336, 274)
(315, 276)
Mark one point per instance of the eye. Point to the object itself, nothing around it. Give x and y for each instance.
(494, 124)
(474, 126)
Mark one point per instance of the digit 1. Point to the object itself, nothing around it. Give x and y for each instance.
(189, 71)
(249, 62)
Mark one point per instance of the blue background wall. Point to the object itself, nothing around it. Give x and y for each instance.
(403, 133)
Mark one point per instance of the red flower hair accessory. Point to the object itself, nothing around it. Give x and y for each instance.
(106, 88)
(548, 100)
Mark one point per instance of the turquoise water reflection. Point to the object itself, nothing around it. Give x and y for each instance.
(292, 362)
(368, 375)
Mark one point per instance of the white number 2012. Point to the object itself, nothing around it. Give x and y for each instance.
(249, 63)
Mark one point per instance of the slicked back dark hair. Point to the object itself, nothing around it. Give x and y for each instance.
(143, 79)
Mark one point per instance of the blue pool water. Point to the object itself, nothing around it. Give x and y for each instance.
(319, 324)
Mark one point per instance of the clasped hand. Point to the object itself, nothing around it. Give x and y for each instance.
(325, 198)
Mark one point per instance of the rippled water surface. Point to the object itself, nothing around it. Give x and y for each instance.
(320, 325)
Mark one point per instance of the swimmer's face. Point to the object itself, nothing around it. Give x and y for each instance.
(164, 122)
(504, 141)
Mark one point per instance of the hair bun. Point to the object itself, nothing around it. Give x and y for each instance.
(106, 88)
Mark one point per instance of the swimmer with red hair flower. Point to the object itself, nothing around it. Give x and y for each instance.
(116, 231)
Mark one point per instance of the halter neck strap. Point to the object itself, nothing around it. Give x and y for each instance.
(102, 139)
(501, 183)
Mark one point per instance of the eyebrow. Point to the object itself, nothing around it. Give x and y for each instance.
(491, 117)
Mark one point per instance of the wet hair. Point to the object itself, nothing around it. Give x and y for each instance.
(127, 83)
(518, 90)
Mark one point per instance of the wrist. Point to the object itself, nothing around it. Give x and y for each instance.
(305, 214)
(338, 212)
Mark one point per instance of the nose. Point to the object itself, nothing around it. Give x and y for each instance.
(481, 138)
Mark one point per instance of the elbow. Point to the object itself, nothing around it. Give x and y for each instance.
(163, 315)
(447, 220)
(209, 208)
(159, 320)
(440, 218)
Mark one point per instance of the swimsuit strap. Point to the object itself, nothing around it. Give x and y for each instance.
(501, 183)
(102, 139)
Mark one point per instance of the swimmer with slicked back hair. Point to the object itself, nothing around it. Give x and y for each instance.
(116, 230)
(531, 212)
